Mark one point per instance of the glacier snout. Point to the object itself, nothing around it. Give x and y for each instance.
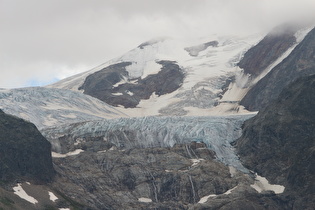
(126, 133)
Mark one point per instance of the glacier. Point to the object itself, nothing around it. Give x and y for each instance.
(217, 132)
(47, 107)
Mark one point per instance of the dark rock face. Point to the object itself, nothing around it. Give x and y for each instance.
(116, 179)
(24, 152)
(279, 143)
(101, 84)
(168, 178)
(299, 63)
(267, 51)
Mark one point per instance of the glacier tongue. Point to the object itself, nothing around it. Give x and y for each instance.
(125, 133)
(47, 107)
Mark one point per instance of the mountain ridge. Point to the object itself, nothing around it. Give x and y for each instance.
(298, 64)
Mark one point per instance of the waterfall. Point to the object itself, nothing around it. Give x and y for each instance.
(193, 188)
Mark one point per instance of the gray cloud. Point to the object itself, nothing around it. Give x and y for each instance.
(47, 40)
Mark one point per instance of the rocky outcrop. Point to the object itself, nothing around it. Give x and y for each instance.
(185, 176)
(24, 152)
(299, 63)
(155, 163)
(105, 84)
(279, 143)
(267, 51)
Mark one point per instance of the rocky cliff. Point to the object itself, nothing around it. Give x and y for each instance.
(24, 152)
(299, 63)
(185, 176)
(268, 50)
(279, 143)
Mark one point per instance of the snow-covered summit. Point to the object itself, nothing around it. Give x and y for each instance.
(208, 64)
(177, 77)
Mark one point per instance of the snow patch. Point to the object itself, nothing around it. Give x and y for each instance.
(205, 198)
(229, 191)
(145, 200)
(18, 190)
(262, 184)
(151, 67)
(129, 93)
(196, 161)
(144, 60)
(117, 94)
(151, 106)
(121, 82)
(58, 155)
(52, 196)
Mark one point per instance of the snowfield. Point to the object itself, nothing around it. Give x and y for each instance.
(205, 73)
(213, 83)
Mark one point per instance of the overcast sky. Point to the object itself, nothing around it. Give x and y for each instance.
(42, 41)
